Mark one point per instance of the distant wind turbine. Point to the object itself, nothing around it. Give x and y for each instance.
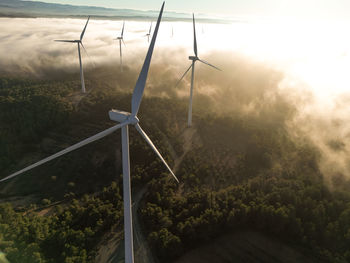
(125, 119)
(79, 42)
(194, 59)
(149, 32)
(121, 39)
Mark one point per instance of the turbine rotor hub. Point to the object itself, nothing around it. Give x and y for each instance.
(193, 58)
(133, 119)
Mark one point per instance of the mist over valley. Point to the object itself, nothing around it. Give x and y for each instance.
(263, 169)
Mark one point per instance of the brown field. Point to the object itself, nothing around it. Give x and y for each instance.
(247, 247)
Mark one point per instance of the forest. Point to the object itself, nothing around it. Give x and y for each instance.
(241, 172)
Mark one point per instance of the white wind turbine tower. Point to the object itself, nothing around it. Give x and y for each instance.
(121, 39)
(125, 119)
(194, 59)
(79, 42)
(149, 32)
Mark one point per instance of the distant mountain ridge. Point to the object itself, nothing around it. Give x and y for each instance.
(13, 8)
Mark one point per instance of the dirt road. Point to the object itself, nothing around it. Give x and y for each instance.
(113, 249)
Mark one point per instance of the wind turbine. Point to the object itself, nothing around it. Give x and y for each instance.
(194, 59)
(149, 32)
(121, 39)
(125, 119)
(79, 42)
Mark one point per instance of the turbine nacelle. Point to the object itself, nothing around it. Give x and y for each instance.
(69, 41)
(123, 116)
(193, 58)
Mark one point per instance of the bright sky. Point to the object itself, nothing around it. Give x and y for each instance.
(309, 9)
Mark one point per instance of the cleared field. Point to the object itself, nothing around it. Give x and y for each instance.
(247, 247)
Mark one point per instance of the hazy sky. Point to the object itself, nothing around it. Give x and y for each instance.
(291, 8)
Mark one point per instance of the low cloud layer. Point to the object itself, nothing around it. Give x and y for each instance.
(246, 85)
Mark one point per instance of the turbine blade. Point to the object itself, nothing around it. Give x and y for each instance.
(82, 33)
(177, 83)
(123, 29)
(150, 143)
(67, 41)
(209, 64)
(194, 37)
(67, 150)
(141, 82)
(123, 42)
(93, 63)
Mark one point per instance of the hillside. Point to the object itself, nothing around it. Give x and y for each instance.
(238, 172)
(243, 247)
(23, 8)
